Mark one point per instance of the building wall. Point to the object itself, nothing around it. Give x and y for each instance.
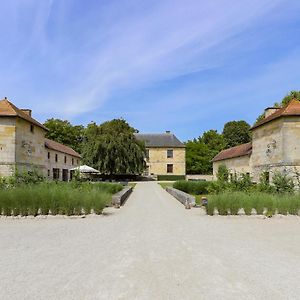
(158, 161)
(267, 148)
(51, 164)
(30, 149)
(7, 145)
(234, 165)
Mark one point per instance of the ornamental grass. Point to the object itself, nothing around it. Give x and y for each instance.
(56, 198)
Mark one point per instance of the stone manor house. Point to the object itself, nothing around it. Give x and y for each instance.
(165, 154)
(23, 146)
(275, 146)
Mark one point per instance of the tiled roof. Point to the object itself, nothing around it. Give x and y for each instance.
(60, 148)
(237, 151)
(7, 109)
(160, 140)
(292, 109)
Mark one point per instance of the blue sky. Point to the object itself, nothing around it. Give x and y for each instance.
(185, 66)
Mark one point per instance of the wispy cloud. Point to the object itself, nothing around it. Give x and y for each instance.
(76, 58)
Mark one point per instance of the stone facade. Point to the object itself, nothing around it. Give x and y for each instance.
(165, 154)
(275, 146)
(23, 145)
(158, 161)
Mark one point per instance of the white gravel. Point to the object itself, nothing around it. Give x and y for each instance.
(152, 248)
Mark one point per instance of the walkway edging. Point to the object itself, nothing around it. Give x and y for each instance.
(119, 198)
(184, 198)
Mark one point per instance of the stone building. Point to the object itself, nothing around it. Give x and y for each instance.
(275, 146)
(165, 154)
(23, 146)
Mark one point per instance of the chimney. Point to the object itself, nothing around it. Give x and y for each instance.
(168, 131)
(270, 111)
(26, 111)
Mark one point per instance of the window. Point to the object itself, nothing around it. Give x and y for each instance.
(169, 168)
(77, 161)
(48, 173)
(65, 159)
(56, 157)
(266, 176)
(169, 153)
(55, 174)
(72, 161)
(48, 155)
(31, 128)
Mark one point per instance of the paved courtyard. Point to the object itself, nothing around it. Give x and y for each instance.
(152, 248)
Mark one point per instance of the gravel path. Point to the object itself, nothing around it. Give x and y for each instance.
(152, 248)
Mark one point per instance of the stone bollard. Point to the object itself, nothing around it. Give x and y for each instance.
(187, 204)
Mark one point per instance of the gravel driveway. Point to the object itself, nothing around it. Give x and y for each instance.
(152, 248)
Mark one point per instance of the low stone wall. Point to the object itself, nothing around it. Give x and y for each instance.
(200, 177)
(184, 198)
(119, 198)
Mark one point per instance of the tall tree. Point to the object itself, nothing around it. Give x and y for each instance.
(113, 149)
(201, 151)
(62, 131)
(236, 133)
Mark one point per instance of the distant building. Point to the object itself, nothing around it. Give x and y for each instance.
(165, 154)
(275, 146)
(23, 146)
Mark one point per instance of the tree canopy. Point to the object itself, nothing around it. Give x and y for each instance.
(236, 133)
(62, 131)
(112, 148)
(200, 152)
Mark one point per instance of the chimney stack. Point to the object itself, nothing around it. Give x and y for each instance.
(27, 111)
(270, 111)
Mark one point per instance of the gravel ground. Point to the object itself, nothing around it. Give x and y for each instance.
(152, 248)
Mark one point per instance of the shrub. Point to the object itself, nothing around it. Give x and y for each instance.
(192, 187)
(170, 177)
(223, 173)
(283, 183)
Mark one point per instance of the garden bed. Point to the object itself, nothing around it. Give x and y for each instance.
(56, 198)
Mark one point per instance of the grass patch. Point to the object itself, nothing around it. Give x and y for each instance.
(164, 185)
(261, 203)
(56, 198)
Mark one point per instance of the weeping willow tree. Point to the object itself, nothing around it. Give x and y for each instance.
(113, 149)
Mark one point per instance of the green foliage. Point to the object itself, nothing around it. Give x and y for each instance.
(283, 183)
(192, 187)
(56, 198)
(113, 149)
(170, 177)
(62, 131)
(236, 133)
(201, 151)
(241, 183)
(232, 202)
(223, 173)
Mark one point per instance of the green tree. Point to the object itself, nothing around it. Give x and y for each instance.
(201, 151)
(113, 149)
(62, 131)
(236, 133)
(223, 173)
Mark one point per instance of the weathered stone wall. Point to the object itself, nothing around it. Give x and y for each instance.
(7, 145)
(267, 148)
(29, 146)
(60, 164)
(199, 177)
(234, 165)
(158, 161)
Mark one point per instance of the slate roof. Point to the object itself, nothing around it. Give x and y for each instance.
(7, 109)
(60, 148)
(160, 140)
(292, 109)
(237, 151)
